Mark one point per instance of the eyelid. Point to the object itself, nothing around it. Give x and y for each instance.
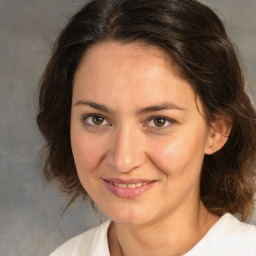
(171, 121)
(86, 116)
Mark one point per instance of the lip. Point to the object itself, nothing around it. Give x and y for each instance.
(127, 192)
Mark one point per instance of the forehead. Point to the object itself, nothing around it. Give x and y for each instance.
(101, 55)
(138, 72)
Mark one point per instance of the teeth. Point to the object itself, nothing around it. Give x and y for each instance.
(133, 185)
(120, 185)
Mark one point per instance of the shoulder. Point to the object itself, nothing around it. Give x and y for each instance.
(236, 230)
(239, 238)
(90, 243)
(228, 237)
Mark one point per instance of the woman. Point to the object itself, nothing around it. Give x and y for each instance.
(143, 109)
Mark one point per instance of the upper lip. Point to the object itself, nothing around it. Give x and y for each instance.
(129, 181)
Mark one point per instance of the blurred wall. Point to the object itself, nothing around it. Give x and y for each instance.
(29, 210)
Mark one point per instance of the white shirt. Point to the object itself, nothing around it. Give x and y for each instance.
(227, 237)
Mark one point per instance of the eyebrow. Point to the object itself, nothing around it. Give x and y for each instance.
(94, 105)
(154, 108)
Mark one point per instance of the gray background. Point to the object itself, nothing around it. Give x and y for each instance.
(29, 209)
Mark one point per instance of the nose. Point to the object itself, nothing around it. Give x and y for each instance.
(126, 152)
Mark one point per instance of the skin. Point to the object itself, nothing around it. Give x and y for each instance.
(128, 143)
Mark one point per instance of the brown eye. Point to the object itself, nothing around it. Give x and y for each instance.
(97, 120)
(159, 122)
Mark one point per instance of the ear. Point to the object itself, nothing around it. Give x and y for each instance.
(218, 134)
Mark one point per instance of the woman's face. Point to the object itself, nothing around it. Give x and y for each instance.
(137, 135)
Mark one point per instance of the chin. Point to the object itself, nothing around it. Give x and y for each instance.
(130, 216)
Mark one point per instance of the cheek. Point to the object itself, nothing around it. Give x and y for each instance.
(167, 155)
(87, 151)
(178, 154)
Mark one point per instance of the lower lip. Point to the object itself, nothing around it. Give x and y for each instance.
(128, 192)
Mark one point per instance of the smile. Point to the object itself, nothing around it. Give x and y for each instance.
(128, 189)
(132, 185)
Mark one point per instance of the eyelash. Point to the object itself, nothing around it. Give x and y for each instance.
(94, 126)
(152, 118)
(166, 126)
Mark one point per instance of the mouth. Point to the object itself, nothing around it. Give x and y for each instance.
(128, 188)
(129, 185)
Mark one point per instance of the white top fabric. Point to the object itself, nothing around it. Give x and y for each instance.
(227, 237)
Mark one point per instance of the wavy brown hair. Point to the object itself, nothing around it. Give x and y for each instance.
(195, 38)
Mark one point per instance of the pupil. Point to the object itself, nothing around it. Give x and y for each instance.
(98, 120)
(159, 122)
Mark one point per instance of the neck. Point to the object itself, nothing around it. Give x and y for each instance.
(171, 235)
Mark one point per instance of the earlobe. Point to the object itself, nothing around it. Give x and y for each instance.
(218, 135)
(213, 147)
